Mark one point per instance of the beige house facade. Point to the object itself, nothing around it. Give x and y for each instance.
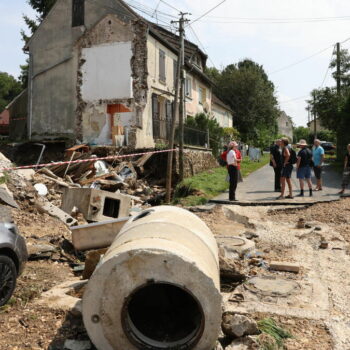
(103, 75)
(285, 125)
(221, 112)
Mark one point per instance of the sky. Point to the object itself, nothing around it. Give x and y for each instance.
(273, 33)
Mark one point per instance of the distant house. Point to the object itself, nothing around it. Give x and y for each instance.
(101, 74)
(285, 125)
(221, 112)
(319, 126)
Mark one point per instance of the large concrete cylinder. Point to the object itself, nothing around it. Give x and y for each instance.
(157, 287)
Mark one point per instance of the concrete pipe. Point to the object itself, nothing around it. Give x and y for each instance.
(157, 287)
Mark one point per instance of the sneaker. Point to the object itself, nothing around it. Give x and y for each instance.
(300, 195)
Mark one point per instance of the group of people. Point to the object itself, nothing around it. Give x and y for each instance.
(282, 159)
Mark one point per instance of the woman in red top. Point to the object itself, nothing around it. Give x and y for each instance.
(239, 160)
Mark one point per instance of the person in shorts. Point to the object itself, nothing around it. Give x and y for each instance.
(287, 169)
(304, 159)
(318, 158)
(346, 173)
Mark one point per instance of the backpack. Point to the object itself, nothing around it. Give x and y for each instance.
(293, 156)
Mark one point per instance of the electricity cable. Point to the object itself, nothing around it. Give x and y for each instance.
(209, 11)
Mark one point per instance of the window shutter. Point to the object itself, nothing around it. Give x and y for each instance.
(174, 71)
(162, 77)
(78, 13)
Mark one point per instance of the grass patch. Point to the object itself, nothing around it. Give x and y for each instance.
(273, 336)
(4, 178)
(198, 189)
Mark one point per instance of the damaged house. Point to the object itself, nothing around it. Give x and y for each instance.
(101, 74)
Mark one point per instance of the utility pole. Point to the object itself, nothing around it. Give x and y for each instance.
(182, 110)
(338, 70)
(315, 127)
(175, 112)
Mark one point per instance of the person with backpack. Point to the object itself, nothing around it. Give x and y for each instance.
(289, 158)
(276, 163)
(304, 160)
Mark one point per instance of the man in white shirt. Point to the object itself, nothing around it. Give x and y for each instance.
(232, 170)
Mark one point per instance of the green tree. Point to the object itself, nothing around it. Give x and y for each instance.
(333, 107)
(9, 89)
(300, 132)
(245, 87)
(197, 128)
(344, 73)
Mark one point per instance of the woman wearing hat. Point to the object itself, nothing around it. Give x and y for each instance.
(304, 159)
(346, 173)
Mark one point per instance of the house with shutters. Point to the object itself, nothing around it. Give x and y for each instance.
(101, 74)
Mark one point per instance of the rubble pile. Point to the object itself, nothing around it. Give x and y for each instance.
(122, 176)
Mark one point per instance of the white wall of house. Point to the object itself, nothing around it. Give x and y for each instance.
(107, 72)
(222, 116)
(198, 98)
(285, 125)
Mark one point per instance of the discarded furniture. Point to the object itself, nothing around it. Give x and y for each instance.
(96, 205)
(157, 287)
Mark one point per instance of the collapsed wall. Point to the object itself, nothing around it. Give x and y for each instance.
(158, 285)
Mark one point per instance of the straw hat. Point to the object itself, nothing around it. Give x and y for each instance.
(302, 143)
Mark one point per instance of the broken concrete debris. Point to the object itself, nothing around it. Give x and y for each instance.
(47, 207)
(97, 235)
(71, 344)
(40, 251)
(236, 325)
(96, 205)
(284, 266)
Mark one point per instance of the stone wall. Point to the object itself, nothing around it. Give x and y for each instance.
(196, 161)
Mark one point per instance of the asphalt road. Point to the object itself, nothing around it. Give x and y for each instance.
(259, 187)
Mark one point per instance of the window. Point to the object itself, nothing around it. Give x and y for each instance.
(162, 77)
(188, 87)
(174, 72)
(202, 95)
(78, 13)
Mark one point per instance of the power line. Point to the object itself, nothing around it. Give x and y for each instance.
(200, 43)
(273, 21)
(171, 6)
(206, 13)
(278, 19)
(155, 10)
(294, 99)
(328, 68)
(306, 58)
(300, 61)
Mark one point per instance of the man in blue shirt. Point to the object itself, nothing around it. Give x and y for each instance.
(318, 158)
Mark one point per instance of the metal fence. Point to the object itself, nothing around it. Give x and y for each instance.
(192, 137)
